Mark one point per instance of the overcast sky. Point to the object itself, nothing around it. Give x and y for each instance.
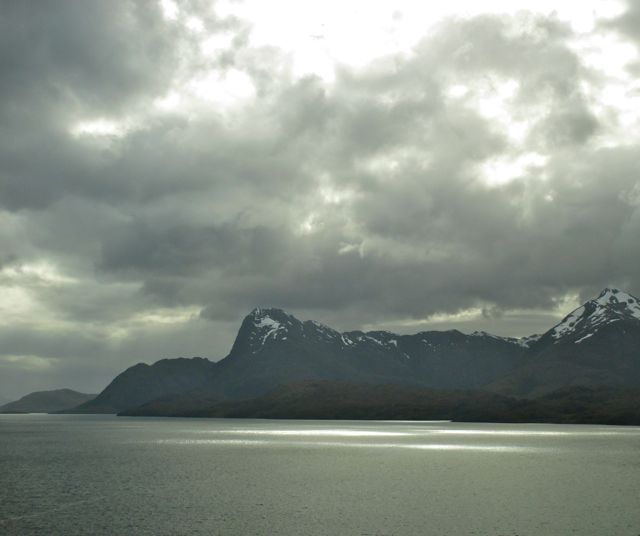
(166, 167)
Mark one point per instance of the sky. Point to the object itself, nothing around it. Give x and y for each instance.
(165, 167)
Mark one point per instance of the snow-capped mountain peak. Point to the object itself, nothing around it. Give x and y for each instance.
(619, 300)
(265, 324)
(611, 305)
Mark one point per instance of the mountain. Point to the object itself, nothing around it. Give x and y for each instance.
(273, 348)
(46, 401)
(597, 344)
(611, 306)
(142, 383)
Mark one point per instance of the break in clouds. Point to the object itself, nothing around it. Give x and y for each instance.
(164, 168)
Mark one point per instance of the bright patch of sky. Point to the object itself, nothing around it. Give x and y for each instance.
(515, 322)
(27, 362)
(99, 127)
(318, 37)
(321, 33)
(502, 170)
(43, 272)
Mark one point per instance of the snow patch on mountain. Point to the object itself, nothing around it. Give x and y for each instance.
(267, 322)
(346, 340)
(376, 341)
(324, 330)
(612, 305)
(273, 326)
(524, 342)
(617, 299)
(568, 324)
(265, 326)
(383, 338)
(583, 338)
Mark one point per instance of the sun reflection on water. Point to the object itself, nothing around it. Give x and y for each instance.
(324, 432)
(400, 436)
(347, 444)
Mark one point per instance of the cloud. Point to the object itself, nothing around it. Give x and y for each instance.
(161, 174)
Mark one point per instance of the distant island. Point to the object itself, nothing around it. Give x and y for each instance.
(47, 401)
(585, 369)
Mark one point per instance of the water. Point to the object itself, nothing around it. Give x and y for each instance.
(103, 475)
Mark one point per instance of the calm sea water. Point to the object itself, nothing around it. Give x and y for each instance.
(98, 475)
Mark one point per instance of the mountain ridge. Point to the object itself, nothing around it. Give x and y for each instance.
(596, 344)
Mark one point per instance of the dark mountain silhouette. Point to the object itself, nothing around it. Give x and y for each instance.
(274, 348)
(597, 345)
(142, 383)
(46, 401)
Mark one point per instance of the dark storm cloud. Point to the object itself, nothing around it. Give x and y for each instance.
(430, 205)
(363, 201)
(60, 60)
(628, 21)
(65, 60)
(84, 52)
